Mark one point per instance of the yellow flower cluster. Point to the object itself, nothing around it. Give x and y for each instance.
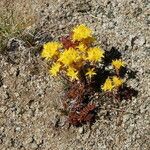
(115, 81)
(55, 69)
(50, 50)
(95, 54)
(69, 56)
(90, 73)
(72, 73)
(81, 32)
(118, 63)
(112, 83)
(71, 60)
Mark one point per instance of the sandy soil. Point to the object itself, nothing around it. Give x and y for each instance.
(30, 99)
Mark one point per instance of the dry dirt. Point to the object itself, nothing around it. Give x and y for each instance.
(30, 99)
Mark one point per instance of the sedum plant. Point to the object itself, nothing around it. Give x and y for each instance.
(85, 65)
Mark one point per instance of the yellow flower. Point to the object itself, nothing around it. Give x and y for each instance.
(69, 56)
(95, 54)
(108, 86)
(117, 81)
(118, 63)
(55, 69)
(90, 72)
(82, 47)
(81, 32)
(72, 73)
(50, 49)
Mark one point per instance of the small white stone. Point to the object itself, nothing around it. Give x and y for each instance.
(140, 41)
(81, 130)
(16, 94)
(18, 129)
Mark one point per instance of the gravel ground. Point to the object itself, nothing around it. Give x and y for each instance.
(29, 98)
